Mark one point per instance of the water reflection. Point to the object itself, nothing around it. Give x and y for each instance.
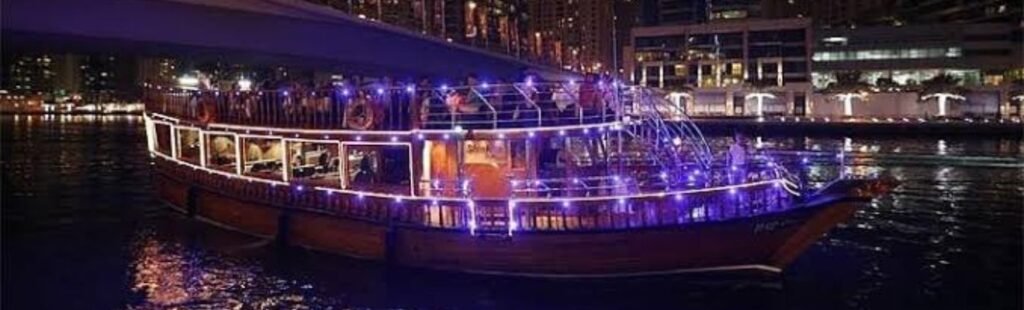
(81, 230)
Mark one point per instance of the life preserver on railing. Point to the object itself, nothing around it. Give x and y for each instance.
(207, 109)
(360, 114)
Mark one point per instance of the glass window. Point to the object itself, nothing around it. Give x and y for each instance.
(163, 139)
(220, 152)
(382, 169)
(263, 158)
(881, 54)
(188, 145)
(315, 163)
(680, 70)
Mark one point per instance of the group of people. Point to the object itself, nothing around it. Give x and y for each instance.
(385, 104)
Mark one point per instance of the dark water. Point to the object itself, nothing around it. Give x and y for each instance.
(81, 230)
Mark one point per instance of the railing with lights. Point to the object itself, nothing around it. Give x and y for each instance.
(481, 106)
(505, 216)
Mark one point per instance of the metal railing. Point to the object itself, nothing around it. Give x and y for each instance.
(496, 216)
(482, 106)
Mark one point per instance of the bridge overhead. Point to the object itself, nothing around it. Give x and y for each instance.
(245, 31)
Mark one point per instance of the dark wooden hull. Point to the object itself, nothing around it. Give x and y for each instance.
(766, 242)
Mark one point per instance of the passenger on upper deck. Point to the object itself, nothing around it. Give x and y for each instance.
(738, 159)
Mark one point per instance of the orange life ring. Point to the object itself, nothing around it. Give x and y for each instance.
(360, 114)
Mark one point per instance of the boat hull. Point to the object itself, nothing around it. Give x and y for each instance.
(761, 243)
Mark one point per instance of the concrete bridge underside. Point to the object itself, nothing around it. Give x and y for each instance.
(289, 32)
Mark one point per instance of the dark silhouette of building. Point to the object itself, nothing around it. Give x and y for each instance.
(576, 35)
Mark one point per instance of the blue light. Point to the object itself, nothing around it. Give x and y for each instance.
(410, 89)
(299, 188)
(566, 204)
(285, 93)
(485, 85)
(345, 92)
(531, 134)
(444, 86)
(380, 91)
(622, 201)
(561, 132)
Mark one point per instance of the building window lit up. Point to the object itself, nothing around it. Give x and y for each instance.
(884, 54)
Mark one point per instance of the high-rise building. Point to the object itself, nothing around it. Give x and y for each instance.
(894, 12)
(496, 25)
(573, 34)
(672, 12)
(733, 9)
(44, 74)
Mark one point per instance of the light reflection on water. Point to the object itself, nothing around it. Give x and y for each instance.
(82, 230)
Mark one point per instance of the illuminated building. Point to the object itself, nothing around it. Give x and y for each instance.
(496, 25)
(984, 59)
(575, 34)
(721, 60)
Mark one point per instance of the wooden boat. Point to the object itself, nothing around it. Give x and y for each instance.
(549, 180)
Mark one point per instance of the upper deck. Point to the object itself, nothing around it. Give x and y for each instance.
(481, 107)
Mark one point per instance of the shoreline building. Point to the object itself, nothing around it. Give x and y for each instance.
(898, 63)
(741, 67)
(757, 67)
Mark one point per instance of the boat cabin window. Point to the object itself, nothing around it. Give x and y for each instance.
(163, 138)
(315, 163)
(188, 145)
(570, 166)
(263, 158)
(220, 152)
(488, 165)
(377, 168)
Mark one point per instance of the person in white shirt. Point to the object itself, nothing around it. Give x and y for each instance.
(738, 159)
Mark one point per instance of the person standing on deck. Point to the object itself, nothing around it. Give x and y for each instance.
(738, 159)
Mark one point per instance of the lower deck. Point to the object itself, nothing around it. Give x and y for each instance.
(592, 240)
